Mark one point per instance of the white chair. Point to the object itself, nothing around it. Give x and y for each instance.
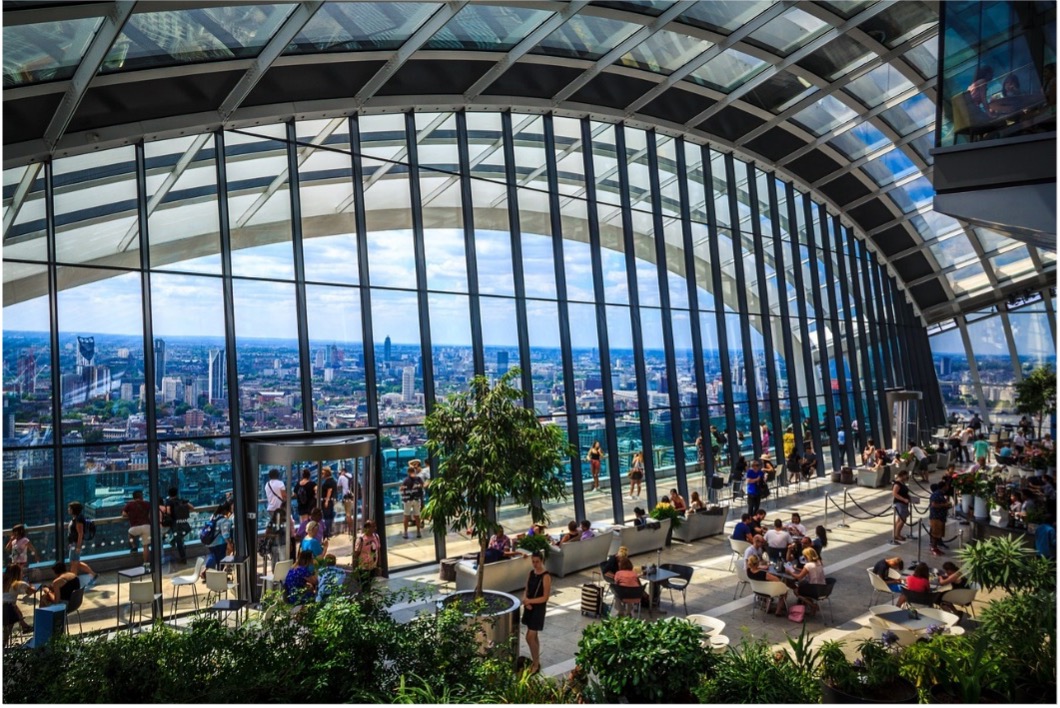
(955, 630)
(743, 580)
(187, 581)
(880, 609)
(941, 616)
(879, 585)
(767, 590)
(961, 598)
(738, 548)
(142, 592)
(710, 625)
(905, 637)
(217, 584)
(278, 574)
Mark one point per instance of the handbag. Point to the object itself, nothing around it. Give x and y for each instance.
(763, 490)
(797, 613)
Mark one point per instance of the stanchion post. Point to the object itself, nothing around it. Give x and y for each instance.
(843, 522)
(826, 509)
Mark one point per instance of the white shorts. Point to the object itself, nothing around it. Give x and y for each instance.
(412, 508)
(144, 532)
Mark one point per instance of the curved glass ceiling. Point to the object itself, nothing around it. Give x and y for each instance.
(837, 95)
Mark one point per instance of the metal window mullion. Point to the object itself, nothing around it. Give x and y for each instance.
(629, 244)
(231, 360)
(1017, 372)
(423, 304)
(842, 363)
(804, 326)
(741, 304)
(680, 474)
(934, 379)
(875, 274)
(846, 322)
(301, 302)
(364, 278)
(973, 366)
(56, 371)
(719, 306)
(467, 209)
(822, 343)
(601, 322)
(936, 414)
(900, 356)
(916, 364)
(150, 413)
(570, 400)
(519, 282)
(785, 322)
(766, 316)
(883, 423)
(693, 316)
(863, 396)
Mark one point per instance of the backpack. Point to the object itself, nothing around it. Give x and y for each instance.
(209, 532)
(301, 493)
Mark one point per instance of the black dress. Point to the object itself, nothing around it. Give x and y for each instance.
(534, 615)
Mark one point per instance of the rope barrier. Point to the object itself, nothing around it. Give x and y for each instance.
(856, 518)
(871, 514)
(958, 535)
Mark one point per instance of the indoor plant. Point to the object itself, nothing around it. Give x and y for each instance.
(1036, 394)
(663, 510)
(872, 678)
(956, 669)
(538, 543)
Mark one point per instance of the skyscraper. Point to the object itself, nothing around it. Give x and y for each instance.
(502, 362)
(160, 363)
(218, 379)
(408, 385)
(386, 350)
(86, 352)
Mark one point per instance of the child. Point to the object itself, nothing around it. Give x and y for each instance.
(19, 546)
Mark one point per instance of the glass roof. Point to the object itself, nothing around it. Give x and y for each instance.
(885, 145)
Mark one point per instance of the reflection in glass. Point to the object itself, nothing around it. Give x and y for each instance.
(27, 375)
(95, 208)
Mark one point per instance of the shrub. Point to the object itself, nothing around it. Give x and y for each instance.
(754, 673)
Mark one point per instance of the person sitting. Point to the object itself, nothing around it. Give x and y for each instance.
(794, 554)
(329, 579)
(311, 542)
(795, 527)
(587, 530)
(756, 571)
(757, 548)
(696, 504)
(14, 586)
(793, 463)
(758, 522)
(742, 531)
(768, 468)
(62, 587)
(883, 569)
(778, 540)
(499, 547)
(626, 577)
(810, 578)
(951, 575)
(809, 463)
(573, 533)
(820, 540)
(640, 517)
(678, 501)
(300, 585)
(868, 455)
(611, 564)
(1005, 456)
(919, 581)
(739, 469)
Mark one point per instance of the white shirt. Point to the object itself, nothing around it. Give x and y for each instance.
(796, 529)
(344, 484)
(918, 453)
(752, 551)
(274, 489)
(1018, 440)
(777, 539)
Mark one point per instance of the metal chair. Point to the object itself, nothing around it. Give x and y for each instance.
(743, 581)
(816, 592)
(879, 585)
(609, 583)
(961, 598)
(627, 597)
(767, 590)
(74, 605)
(187, 581)
(921, 599)
(142, 592)
(680, 583)
(738, 548)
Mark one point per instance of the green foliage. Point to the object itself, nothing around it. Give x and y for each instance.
(1036, 394)
(644, 662)
(1004, 562)
(965, 667)
(536, 543)
(490, 447)
(879, 666)
(1021, 630)
(756, 674)
(666, 511)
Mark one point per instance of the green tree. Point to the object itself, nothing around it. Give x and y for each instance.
(1036, 394)
(489, 448)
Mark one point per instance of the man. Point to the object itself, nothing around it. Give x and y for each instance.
(921, 457)
(795, 527)
(758, 522)
(939, 506)
(276, 499)
(757, 548)
(138, 513)
(809, 463)
(346, 497)
(742, 530)
(329, 492)
(976, 423)
(981, 448)
(412, 496)
(778, 540)
(175, 513)
(1019, 442)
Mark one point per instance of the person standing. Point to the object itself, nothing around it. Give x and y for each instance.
(276, 499)
(754, 478)
(981, 448)
(329, 493)
(636, 474)
(594, 457)
(901, 500)
(535, 601)
(222, 542)
(76, 534)
(138, 513)
(412, 496)
(19, 547)
(175, 513)
(366, 550)
(305, 493)
(346, 496)
(765, 437)
(939, 507)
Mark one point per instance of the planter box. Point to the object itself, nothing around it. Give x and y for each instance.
(506, 575)
(638, 539)
(578, 555)
(872, 478)
(701, 525)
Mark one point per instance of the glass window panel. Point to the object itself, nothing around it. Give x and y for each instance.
(897, 23)
(487, 28)
(910, 115)
(704, 281)
(713, 376)
(846, 8)
(728, 70)
(665, 52)
(347, 27)
(270, 396)
(500, 335)
(951, 250)
(992, 358)
(860, 140)
(586, 37)
(259, 204)
(451, 350)
(684, 361)
(171, 37)
(932, 224)
(183, 224)
(879, 85)
(336, 352)
(992, 240)
(627, 430)
(585, 351)
(27, 375)
(925, 57)
(46, 51)
(1033, 337)
(788, 32)
(737, 377)
(398, 357)
(779, 91)
(539, 274)
(953, 372)
(651, 327)
(623, 366)
(493, 251)
(923, 147)
(546, 361)
(95, 208)
(721, 190)
(446, 263)
(101, 349)
(675, 266)
(913, 195)
(824, 115)
(1012, 264)
(840, 56)
(969, 279)
(889, 167)
(190, 363)
(616, 286)
(29, 498)
(25, 237)
(723, 16)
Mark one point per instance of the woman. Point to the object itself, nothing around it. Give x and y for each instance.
(596, 453)
(768, 468)
(300, 585)
(636, 475)
(626, 577)
(951, 575)
(612, 564)
(701, 455)
(311, 542)
(810, 578)
(222, 543)
(765, 436)
(900, 498)
(75, 536)
(696, 504)
(755, 571)
(919, 581)
(738, 469)
(678, 501)
(305, 493)
(19, 546)
(366, 549)
(573, 533)
(883, 570)
(14, 586)
(499, 547)
(868, 455)
(754, 478)
(535, 600)
(640, 517)
(821, 539)
(62, 588)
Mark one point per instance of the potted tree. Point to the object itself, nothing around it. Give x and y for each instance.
(872, 678)
(490, 448)
(1036, 394)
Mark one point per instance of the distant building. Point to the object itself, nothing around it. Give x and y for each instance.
(502, 362)
(172, 389)
(216, 375)
(408, 385)
(160, 363)
(386, 350)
